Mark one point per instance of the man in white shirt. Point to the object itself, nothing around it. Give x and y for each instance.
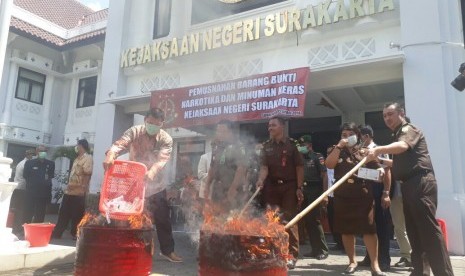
(18, 198)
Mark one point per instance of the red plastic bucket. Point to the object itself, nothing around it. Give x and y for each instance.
(38, 234)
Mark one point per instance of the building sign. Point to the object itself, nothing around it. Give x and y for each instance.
(326, 12)
(252, 98)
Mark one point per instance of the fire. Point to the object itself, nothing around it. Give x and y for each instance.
(141, 221)
(266, 228)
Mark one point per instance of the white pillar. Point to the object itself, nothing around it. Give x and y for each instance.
(113, 83)
(429, 31)
(11, 86)
(47, 104)
(5, 15)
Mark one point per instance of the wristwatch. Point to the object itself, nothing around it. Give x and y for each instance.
(386, 193)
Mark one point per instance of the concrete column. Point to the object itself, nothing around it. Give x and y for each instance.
(431, 34)
(5, 16)
(47, 104)
(10, 92)
(113, 83)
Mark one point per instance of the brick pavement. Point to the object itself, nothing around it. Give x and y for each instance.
(333, 265)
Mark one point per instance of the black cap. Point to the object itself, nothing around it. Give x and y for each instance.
(364, 130)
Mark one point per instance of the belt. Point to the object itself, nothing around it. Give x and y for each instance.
(415, 173)
(312, 183)
(282, 182)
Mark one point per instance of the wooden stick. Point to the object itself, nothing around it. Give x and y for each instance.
(325, 194)
(250, 201)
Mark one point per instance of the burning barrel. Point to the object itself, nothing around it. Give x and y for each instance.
(223, 254)
(113, 251)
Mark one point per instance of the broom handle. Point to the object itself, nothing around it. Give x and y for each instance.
(325, 194)
(250, 201)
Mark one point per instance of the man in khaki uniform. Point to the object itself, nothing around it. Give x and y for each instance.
(282, 168)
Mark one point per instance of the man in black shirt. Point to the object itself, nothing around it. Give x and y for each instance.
(38, 174)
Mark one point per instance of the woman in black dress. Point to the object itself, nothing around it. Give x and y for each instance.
(353, 200)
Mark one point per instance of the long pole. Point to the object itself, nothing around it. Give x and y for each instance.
(250, 201)
(325, 194)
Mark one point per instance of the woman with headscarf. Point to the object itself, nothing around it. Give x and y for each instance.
(353, 200)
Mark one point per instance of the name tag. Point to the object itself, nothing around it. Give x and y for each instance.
(369, 174)
(35, 168)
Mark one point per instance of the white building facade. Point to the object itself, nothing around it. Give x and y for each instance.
(360, 54)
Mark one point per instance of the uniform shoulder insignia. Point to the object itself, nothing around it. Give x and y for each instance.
(405, 128)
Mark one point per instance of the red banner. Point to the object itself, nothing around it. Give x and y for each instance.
(257, 97)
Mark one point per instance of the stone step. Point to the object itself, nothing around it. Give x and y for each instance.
(33, 257)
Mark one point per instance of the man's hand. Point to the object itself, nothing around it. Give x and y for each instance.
(324, 202)
(150, 175)
(259, 184)
(385, 201)
(372, 155)
(109, 159)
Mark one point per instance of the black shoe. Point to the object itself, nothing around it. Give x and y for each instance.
(291, 263)
(365, 262)
(321, 256)
(403, 262)
(378, 273)
(350, 269)
(384, 267)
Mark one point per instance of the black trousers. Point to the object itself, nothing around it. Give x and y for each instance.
(35, 208)
(336, 236)
(312, 220)
(383, 227)
(18, 206)
(419, 195)
(72, 209)
(158, 206)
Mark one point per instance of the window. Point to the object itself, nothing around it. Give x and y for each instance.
(206, 10)
(86, 92)
(162, 18)
(30, 86)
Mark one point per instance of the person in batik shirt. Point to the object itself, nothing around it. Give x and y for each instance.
(152, 146)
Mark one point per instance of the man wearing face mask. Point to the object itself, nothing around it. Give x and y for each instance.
(73, 205)
(152, 146)
(314, 177)
(38, 174)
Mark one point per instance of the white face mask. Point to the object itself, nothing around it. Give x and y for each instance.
(352, 140)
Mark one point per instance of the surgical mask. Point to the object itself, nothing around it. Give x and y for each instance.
(352, 140)
(42, 154)
(76, 149)
(303, 149)
(152, 129)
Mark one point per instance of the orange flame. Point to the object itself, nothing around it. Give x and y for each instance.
(266, 226)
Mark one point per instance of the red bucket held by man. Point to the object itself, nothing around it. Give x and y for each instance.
(123, 190)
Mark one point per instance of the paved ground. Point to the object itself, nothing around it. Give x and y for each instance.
(333, 265)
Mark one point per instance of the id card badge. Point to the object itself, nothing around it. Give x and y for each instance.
(369, 174)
